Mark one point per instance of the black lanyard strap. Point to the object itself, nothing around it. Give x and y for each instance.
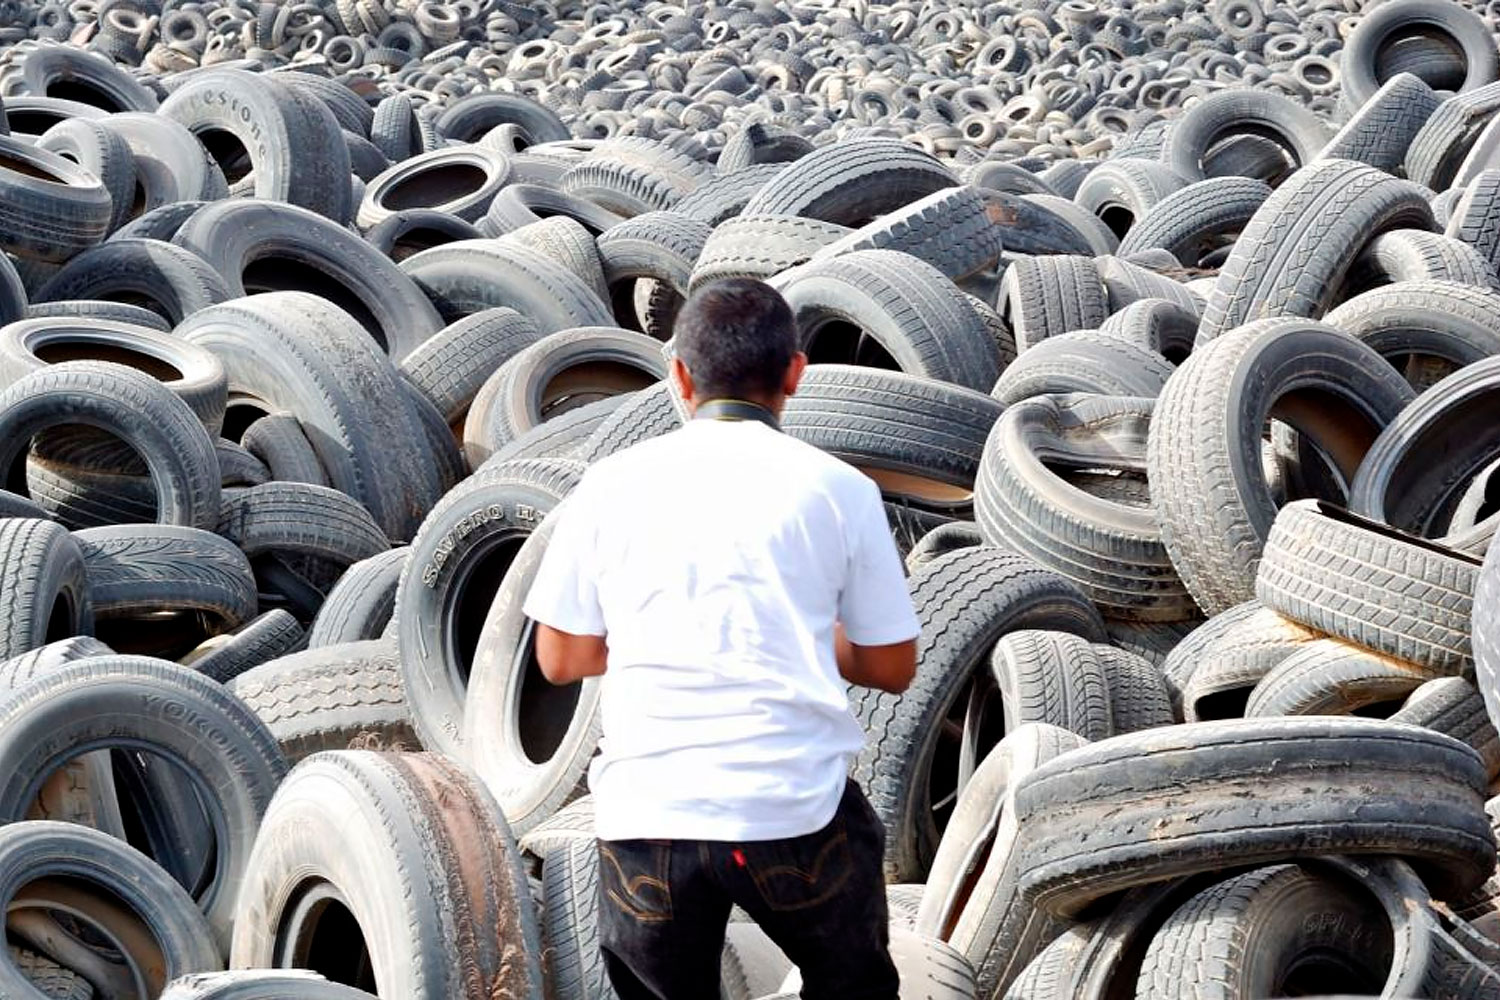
(736, 409)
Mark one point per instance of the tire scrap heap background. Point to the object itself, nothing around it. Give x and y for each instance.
(1171, 331)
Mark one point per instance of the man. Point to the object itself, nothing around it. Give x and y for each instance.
(726, 580)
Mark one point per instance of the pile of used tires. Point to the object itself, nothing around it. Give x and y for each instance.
(1171, 332)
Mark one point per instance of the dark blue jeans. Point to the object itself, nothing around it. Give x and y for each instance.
(664, 905)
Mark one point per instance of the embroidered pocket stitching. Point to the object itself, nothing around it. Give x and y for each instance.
(632, 886)
(841, 840)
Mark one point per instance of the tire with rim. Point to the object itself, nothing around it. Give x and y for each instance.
(965, 602)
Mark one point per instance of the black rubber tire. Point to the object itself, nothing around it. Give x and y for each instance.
(1215, 118)
(160, 223)
(662, 246)
(403, 234)
(1445, 140)
(279, 517)
(1112, 550)
(395, 129)
(260, 640)
(852, 182)
(1055, 678)
(58, 70)
(1453, 706)
(172, 169)
(965, 601)
(1030, 226)
(576, 819)
(460, 181)
(1151, 641)
(1475, 215)
(1083, 362)
(272, 128)
(1380, 27)
(470, 276)
(1208, 484)
(458, 560)
(137, 569)
(118, 312)
(565, 435)
(261, 984)
(139, 702)
(918, 438)
(300, 354)
(1386, 122)
(278, 441)
(146, 415)
(259, 247)
(1211, 673)
(1322, 218)
(419, 857)
(646, 414)
(172, 281)
(632, 175)
(109, 886)
(192, 374)
(1043, 297)
(535, 760)
(1404, 482)
(1260, 933)
(1197, 219)
(566, 242)
(467, 119)
(761, 246)
(53, 208)
(918, 320)
(1123, 190)
(953, 229)
(725, 195)
(104, 153)
(1158, 325)
(524, 204)
(360, 605)
(1334, 677)
(1424, 324)
(47, 597)
(1403, 256)
(972, 900)
(570, 922)
(1370, 584)
(1126, 283)
(331, 698)
(559, 372)
(1399, 790)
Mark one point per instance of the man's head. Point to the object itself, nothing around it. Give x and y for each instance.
(737, 339)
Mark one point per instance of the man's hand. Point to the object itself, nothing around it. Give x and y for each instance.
(566, 658)
(887, 668)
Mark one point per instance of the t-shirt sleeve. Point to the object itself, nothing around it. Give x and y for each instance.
(565, 593)
(875, 605)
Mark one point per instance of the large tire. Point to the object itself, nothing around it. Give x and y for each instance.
(50, 207)
(1296, 250)
(1083, 362)
(1110, 549)
(1333, 677)
(761, 246)
(918, 438)
(417, 856)
(1193, 221)
(473, 275)
(146, 415)
(261, 984)
(171, 281)
(965, 601)
(1424, 323)
(260, 640)
(259, 247)
(275, 141)
(1208, 485)
(1418, 469)
(1382, 26)
(46, 597)
(852, 182)
(952, 229)
(1208, 122)
(331, 698)
(109, 887)
(458, 560)
(1101, 818)
(302, 355)
(169, 710)
(903, 313)
(1043, 297)
(135, 570)
(360, 605)
(459, 181)
(1371, 585)
(529, 742)
(1386, 122)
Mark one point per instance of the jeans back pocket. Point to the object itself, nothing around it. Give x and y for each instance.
(801, 872)
(635, 877)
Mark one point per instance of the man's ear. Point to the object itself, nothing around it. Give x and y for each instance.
(683, 379)
(794, 374)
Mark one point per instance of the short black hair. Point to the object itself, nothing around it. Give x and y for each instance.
(737, 337)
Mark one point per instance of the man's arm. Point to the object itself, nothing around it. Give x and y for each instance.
(566, 658)
(887, 668)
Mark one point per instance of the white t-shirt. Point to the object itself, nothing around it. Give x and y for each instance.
(716, 560)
